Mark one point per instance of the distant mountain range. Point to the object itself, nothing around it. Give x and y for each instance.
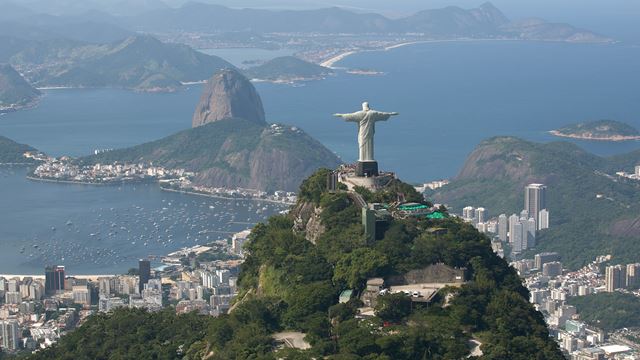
(449, 22)
(231, 145)
(139, 62)
(15, 91)
(592, 212)
(452, 21)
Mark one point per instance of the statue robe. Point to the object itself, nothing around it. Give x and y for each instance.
(366, 120)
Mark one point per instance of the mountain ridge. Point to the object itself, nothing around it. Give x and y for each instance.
(15, 91)
(586, 203)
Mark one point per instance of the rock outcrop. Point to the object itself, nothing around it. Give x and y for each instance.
(228, 94)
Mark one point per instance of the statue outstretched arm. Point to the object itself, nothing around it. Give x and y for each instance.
(384, 116)
(349, 117)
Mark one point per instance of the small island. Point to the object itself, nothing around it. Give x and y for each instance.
(603, 130)
(288, 69)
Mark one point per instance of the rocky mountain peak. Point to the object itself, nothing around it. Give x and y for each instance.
(228, 94)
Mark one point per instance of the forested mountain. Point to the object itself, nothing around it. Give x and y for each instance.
(290, 283)
(12, 152)
(231, 145)
(586, 203)
(15, 91)
(140, 62)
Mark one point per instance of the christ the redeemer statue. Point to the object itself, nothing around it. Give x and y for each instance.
(366, 119)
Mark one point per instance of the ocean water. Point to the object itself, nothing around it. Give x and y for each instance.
(106, 229)
(450, 97)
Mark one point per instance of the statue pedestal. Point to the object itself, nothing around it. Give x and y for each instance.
(367, 168)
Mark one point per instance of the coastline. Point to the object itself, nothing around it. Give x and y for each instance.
(615, 138)
(224, 197)
(331, 62)
(33, 178)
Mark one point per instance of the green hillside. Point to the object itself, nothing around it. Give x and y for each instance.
(598, 130)
(14, 90)
(234, 153)
(608, 311)
(290, 283)
(583, 225)
(140, 62)
(288, 68)
(12, 152)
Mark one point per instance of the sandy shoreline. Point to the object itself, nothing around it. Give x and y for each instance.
(331, 62)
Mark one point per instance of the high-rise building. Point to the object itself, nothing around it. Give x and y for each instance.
(480, 215)
(535, 199)
(615, 277)
(519, 239)
(468, 213)
(543, 219)
(633, 276)
(503, 227)
(543, 258)
(81, 295)
(513, 219)
(531, 233)
(54, 279)
(10, 334)
(144, 269)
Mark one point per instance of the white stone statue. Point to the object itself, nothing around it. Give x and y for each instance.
(366, 120)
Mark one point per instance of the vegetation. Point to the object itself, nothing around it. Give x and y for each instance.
(287, 68)
(232, 153)
(139, 62)
(14, 90)
(12, 153)
(608, 311)
(496, 172)
(129, 334)
(289, 283)
(599, 129)
(393, 307)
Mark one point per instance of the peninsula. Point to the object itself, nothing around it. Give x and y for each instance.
(602, 130)
(15, 92)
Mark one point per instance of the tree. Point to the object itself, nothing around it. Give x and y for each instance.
(393, 307)
(354, 268)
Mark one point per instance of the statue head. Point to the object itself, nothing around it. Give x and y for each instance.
(365, 106)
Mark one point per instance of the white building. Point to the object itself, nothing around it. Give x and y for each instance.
(543, 219)
(10, 333)
(238, 240)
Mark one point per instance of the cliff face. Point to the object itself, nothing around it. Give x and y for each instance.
(228, 94)
(231, 145)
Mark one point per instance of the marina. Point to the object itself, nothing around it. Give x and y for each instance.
(106, 229)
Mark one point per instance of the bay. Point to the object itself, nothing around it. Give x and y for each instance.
(450, 97)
